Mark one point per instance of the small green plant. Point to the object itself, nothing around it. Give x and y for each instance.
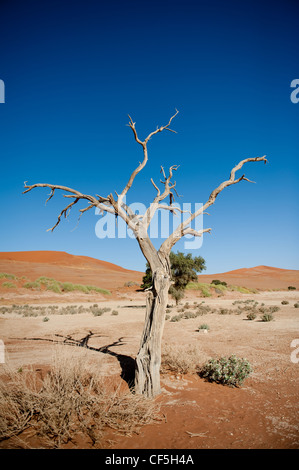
(8, 276)
(10, 285)
(176, 318)
(296, 305)
(274, 308)
(32, 285)
(230, 371)
(204, 326)
(45, 319)
(267, 317)
(217, 282)
(251, 316)
(291, 288)
(114, 312)
(284, 302)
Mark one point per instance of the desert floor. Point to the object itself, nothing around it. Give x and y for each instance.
(262, 414)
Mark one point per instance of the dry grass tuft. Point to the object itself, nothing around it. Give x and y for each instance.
(70, 401)
(183, 360)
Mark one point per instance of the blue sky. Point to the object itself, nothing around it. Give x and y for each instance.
(73, 71)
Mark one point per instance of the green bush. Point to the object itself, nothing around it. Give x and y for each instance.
(9, 284)
(54, 287)
(176, 318)
(296, 305)
(291, 288)
(8, 276)
(284, 302)
(32, 285)
(204, 326)
(267, 317)
(217, 282)
(251, 316)
(230, 371)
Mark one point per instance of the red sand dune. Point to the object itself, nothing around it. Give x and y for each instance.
(65, 267)
(259, 277)
(85, 270)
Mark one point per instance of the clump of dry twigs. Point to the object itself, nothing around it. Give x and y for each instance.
(70, 401)
(182, 360)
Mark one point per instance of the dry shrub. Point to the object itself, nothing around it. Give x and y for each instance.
(70, 401)
(182, 360)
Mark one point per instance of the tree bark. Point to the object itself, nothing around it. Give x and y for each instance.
(148, 360)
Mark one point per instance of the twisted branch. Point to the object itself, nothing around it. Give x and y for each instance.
(183, 228)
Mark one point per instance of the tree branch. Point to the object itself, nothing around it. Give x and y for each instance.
(100, 202)
(181, 229)
(145, 152)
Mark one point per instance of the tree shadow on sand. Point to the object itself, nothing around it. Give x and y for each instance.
(126, 363)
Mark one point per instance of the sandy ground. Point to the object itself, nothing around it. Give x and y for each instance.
(263, 413)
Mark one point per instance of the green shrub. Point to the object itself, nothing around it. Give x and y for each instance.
(217, 282)
(114, 312)
(9, 284)
(176, 318)
(54, 287)
(284, 302)
(203, 326)
(291, 288)
(267, 317)
(96, 311)
(203, 287)
(273, 308)
(230, 371)
(251, 316)
(296, 305)
(45, 319)
(224, 311)
(8, 276)
(99, 290)
(32, 285)
(189, 314)
(67, 286)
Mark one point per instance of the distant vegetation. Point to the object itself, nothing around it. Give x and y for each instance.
(45, 311)
(207, 290)
(249, 306)
(50, 284)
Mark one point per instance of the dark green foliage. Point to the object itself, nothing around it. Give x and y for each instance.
(292, 288)
(184, 269)
(217, 282)
(147, 280)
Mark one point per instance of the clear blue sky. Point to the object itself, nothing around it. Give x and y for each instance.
(74, 70)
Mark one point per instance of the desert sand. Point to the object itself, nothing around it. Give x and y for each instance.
(262, 414)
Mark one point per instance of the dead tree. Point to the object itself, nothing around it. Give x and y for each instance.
(148, 360)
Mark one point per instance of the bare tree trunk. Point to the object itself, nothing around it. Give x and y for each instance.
(148, 360)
